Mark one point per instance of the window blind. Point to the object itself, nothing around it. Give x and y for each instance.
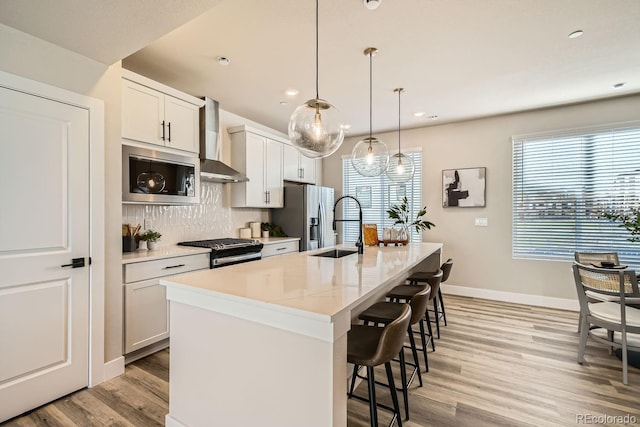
(376, 195)
(562, 185)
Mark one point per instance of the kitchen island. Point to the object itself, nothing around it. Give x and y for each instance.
(264, 343)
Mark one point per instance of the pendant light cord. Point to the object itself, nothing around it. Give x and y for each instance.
(317, 96)
(370, 96)
(399, 92)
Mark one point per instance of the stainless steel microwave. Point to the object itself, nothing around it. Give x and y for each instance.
(157, 177)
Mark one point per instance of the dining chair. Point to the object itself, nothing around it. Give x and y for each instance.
(614, 316)
(595, 259)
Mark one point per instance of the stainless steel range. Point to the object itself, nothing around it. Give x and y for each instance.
(229, 251)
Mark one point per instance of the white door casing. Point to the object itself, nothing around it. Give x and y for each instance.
(47, 311)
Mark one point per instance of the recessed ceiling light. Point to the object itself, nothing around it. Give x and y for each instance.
(223, 60)
(576, 34)
(419, 114)
(291, 92)
(434, 117)
(371, 4)
(283, 102)
(619, 85)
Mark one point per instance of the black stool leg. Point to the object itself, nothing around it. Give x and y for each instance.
(433, 342)
(414, 350)
(435, 311)
(403, 377)
(372, 396)
(424, 345)
(353, 380)
(394, 395)
(444, 314)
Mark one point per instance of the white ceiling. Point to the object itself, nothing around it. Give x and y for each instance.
(458, 59)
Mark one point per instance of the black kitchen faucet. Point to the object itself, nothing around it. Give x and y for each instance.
(359, 243)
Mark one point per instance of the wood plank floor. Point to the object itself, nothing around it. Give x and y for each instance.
(496, 364)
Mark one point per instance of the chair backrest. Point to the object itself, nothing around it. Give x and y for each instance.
(446, 269)
(419, 303)
(434, 281)
(588, 258)
(610, 282)
(392, 338)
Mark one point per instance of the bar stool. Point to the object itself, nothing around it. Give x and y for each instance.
(423, 276)
(372, 346)
(404, 292)
(385, 312)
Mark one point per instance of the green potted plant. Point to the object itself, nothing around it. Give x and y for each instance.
(629, 219)
(150, 237)
(400, 213)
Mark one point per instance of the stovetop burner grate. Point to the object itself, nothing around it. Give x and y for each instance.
(220, 244)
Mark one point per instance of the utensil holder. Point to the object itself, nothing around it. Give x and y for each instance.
(128, 243)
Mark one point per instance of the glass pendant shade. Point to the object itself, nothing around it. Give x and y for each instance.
(401, 168)
(370, 157)
(315, 129)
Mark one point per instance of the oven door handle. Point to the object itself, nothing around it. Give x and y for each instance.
(219, 262)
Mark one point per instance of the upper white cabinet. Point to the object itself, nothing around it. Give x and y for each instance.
(259, 156)
(296, 167)
(157, 114)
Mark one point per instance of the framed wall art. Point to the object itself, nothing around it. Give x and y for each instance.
(464, 188)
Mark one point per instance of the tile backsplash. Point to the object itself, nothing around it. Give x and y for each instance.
(211, 219)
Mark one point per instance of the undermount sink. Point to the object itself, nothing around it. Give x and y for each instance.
(335, 253)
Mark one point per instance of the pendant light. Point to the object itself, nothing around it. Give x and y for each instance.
(315, 127)
(370, 156)
(401, 167)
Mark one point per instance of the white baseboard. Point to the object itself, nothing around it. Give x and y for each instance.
(528, 299)
(169, 421)
(114, 368)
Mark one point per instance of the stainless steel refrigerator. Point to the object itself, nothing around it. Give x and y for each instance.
(308, 214)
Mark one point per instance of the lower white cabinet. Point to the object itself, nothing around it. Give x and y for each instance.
(146, 309)
(279, 248)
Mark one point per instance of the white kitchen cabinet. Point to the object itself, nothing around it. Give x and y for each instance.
(297, 167)
(146, 310)
(258, 155)
(272, 248)
(157, 114)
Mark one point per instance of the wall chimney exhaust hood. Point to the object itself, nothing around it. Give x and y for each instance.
(211, 168)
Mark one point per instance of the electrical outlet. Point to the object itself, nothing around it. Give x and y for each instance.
(482, 222)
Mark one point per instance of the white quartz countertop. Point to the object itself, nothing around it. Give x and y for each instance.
(161, 253)
(299, 283)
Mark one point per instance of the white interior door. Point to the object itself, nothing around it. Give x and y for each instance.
(44, 224)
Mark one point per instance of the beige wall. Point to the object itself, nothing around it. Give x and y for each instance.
(482, 255)
(32, 58)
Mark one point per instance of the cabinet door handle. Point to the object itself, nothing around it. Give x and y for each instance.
(302, 169)
(173, 266)
(163, 130)
(169, 126)
(280, 249)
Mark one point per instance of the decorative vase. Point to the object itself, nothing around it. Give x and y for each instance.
(142, 245)
(404, 234)
(151, 244)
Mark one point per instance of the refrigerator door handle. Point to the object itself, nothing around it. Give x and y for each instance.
(320, 223)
